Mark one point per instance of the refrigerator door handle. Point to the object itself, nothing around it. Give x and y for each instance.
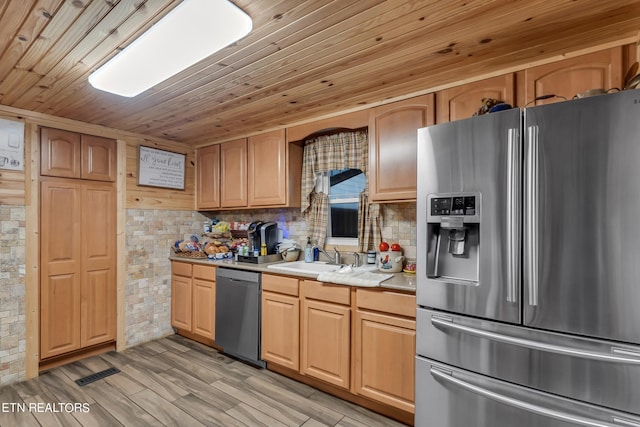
(447, 377)
(618, 356)
(531, 216)
(513, 214)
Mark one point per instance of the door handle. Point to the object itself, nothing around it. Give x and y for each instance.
(513, 214)
(619, 355)
(531, 216)
(444, 376)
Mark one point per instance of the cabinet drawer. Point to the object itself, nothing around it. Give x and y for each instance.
(282, 285)
(204, 272)
(387, 302)
(181, 268)
(327, 292)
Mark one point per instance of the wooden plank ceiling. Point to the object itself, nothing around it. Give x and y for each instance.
(303, 59)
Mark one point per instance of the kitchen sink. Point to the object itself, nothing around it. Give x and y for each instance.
(315, 267)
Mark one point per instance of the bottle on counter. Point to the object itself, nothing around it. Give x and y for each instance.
(308, 251)
(263, 249)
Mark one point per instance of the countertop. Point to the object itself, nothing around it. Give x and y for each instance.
(399, 281)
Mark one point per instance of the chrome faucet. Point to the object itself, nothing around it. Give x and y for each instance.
(356, 259)
(335, 258)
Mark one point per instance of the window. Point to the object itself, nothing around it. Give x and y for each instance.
(344, 187)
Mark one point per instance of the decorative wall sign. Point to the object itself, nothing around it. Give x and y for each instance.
(160, 168)
(11, 145)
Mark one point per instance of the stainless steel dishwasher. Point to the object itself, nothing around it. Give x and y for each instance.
(238, 314)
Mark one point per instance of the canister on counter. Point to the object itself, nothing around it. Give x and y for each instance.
(371, 257)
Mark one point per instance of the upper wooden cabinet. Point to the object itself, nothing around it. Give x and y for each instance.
(208, 177)
(69, 154)
(98, 158)
(393, 140)
(59, 153)
(603, 69)
(462, 102)
(261, 171)
(275, 169)
(233, 174)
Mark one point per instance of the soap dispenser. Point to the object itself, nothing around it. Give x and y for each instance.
(308, 251)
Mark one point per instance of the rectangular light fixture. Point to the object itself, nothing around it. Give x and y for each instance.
(189, 33)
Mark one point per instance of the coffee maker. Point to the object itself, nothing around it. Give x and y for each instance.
(263, 232)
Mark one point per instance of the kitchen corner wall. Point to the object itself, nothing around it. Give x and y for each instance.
(149, 236)
(12, 294)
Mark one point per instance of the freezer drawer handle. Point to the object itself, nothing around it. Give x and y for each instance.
(625, 422)
(618, 356)
(563, 416)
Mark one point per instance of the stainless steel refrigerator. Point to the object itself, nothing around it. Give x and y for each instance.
(528, 267)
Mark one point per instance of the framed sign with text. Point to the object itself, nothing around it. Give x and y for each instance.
(160, 168)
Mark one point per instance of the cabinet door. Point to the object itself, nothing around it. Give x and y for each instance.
(462, 102)
(181, 300)
(233, 174)
(385, 349)
(326, 342)
(208, 177)
(281, 329)
(98, 289)
(59, 153)
(393, 140)
(603, 69)
(267, 169)
(60, 261)
(203, 306)
(98, 158)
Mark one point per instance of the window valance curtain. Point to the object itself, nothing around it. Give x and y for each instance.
(337, 151)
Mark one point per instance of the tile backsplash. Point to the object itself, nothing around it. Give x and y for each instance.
(398, 223)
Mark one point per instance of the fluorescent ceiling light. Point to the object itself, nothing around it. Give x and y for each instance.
(191, 32)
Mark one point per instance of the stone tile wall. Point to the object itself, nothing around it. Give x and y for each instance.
(398, 223)
(12, 294)
(149, 235)
(399, 226)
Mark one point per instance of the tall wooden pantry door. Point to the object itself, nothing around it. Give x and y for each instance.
(77, 245)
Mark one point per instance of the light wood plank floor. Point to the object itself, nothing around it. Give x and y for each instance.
(174, 382)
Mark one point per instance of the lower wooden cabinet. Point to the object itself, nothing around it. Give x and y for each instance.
(326, 342)
(359, 342)
(281, 321)
(193, 298)
(385, 348)
(181, 297)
